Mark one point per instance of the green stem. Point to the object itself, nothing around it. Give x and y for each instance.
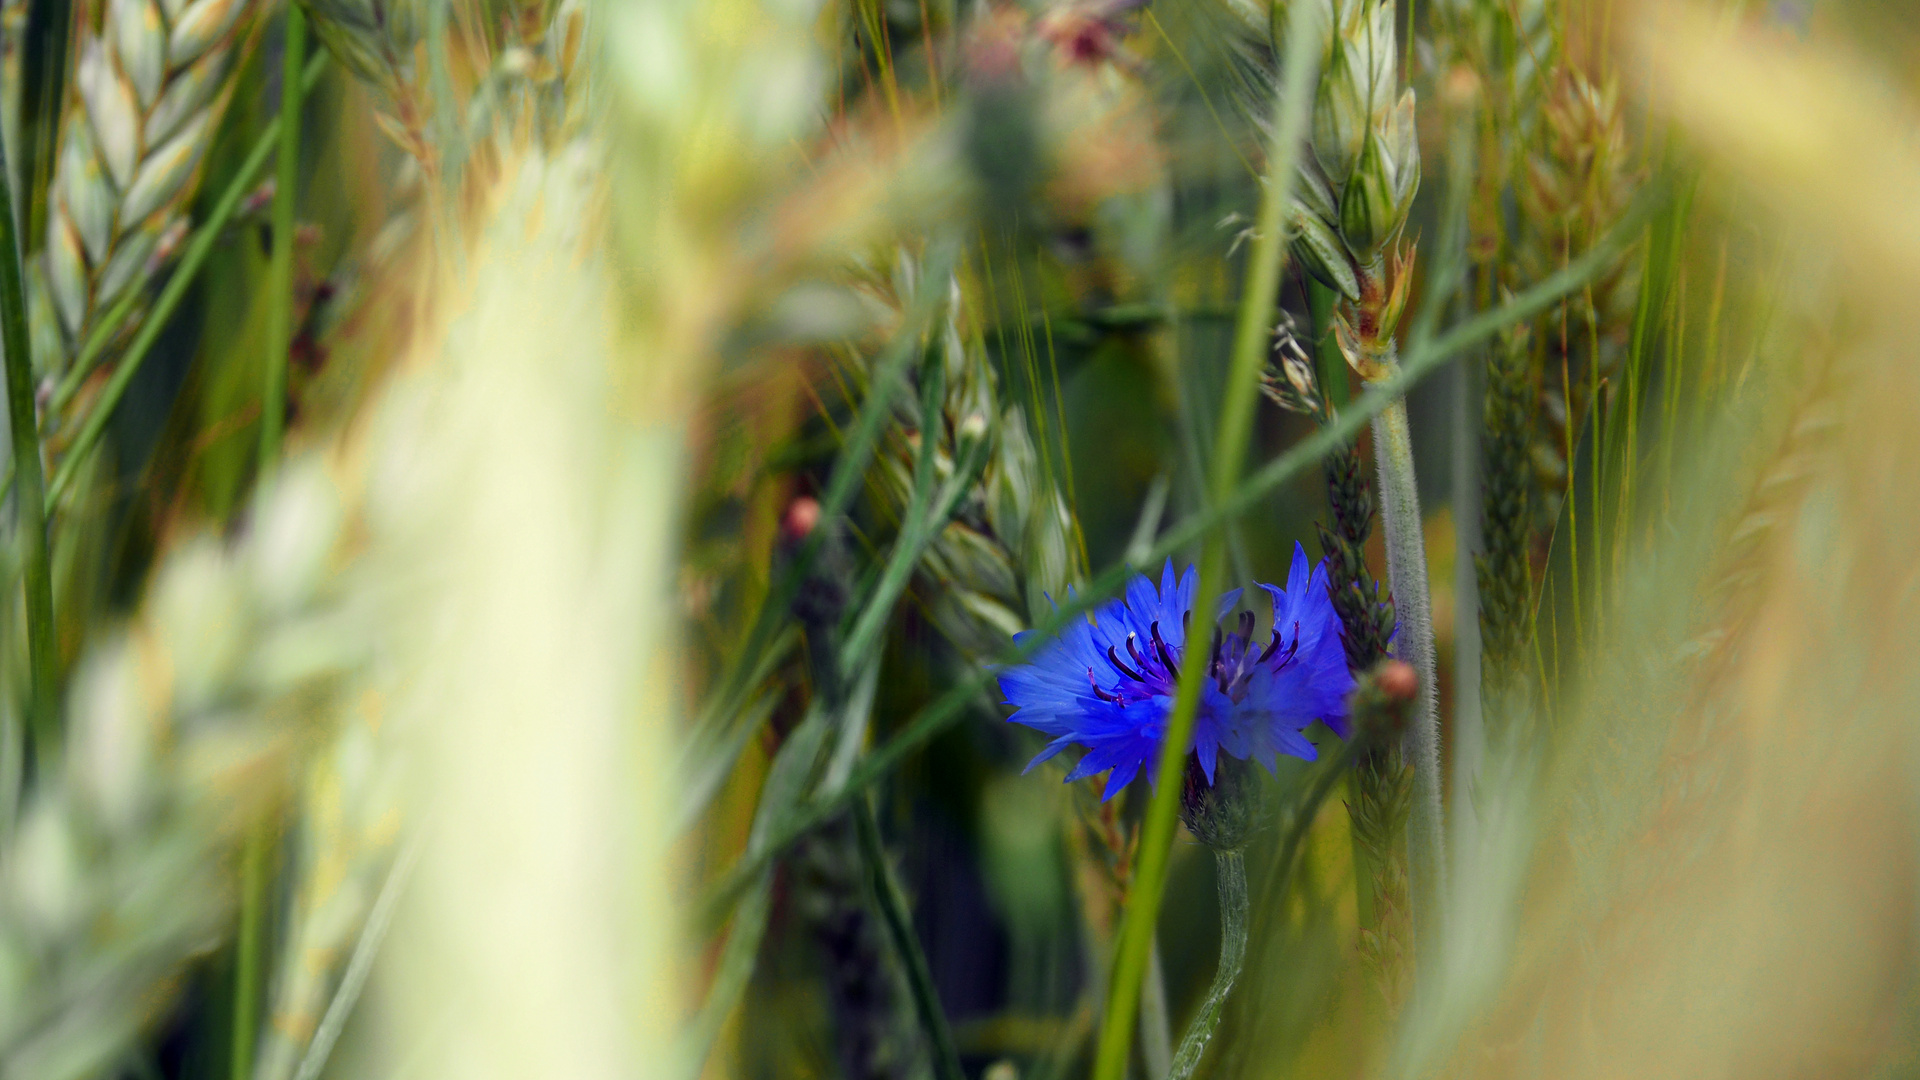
(29, 508)
(1231, 436)
(948, 709)
(893, 909)
(246, 977)
(1231, 874)
(1231, 870)
(1407, 579)
(1156, 1040)
(273, 395)
(175, 291)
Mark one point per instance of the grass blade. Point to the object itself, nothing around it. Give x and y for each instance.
(29, 507)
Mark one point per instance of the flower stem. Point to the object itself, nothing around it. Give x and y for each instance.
(1231, 870)
(29, 508)
(1407, 579)
(273, 396)
(1231, 436)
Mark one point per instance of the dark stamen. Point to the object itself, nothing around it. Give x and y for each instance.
(1246, 625)
(1097, 692)
(1160, 646)
(1275, 644)
(1114, 659)
(1133, 650)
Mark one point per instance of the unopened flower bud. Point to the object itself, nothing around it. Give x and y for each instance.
(1224, 812)
(1382, 703)
(802, 515)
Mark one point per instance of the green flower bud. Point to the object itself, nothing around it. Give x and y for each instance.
(1223, 814)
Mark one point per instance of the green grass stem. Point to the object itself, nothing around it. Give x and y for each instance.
(29, 508)
(366, 948)
(1407, 579)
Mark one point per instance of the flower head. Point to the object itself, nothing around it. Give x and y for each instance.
(1107, 683)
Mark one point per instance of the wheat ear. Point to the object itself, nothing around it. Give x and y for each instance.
(148, 91)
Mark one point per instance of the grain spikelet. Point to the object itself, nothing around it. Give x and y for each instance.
(149, 89)
(181, 730)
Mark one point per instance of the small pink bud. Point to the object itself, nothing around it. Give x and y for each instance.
(1398, 681)
(802, 515)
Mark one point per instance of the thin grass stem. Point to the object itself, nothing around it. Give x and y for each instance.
(360, 965)
(913, 524)
(29, 508)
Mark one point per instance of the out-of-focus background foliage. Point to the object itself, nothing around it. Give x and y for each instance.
(686, 401)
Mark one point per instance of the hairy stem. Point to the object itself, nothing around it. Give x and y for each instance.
(273, 396)
(1407, 579)
(29, 508)
(1231, 869)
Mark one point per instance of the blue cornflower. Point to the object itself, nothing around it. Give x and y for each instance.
(1107, 683)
